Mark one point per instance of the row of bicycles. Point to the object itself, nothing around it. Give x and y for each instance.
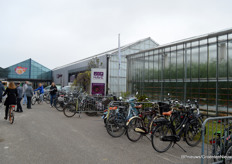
(163, 123)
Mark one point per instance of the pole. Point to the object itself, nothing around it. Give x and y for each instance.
(119, 63)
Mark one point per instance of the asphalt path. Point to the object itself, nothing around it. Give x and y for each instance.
(42, 135)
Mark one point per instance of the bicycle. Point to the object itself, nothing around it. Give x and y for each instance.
(36, 98)
(116, 120)
(142, 124)
(82, 104)
(166, 132)
(222, 145)
(11, 113)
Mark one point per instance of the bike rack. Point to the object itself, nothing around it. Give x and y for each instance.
(214, 127)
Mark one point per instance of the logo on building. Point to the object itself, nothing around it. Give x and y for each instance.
(20, 70)
(98, 75)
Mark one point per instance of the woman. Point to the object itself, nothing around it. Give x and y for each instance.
(41, 91)
(12, 94)
(53, 90)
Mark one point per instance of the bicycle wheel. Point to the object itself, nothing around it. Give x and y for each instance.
(156, 138)
(33, 101)
(193, 133)
(58, 106)
(177, 121)
(47, 99)
(115, 126)
(132, 135)
(69, 110)
(11, 116)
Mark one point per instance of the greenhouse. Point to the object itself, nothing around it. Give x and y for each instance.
(196, 68)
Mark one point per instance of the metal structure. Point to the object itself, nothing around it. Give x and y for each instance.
(196, 68)
(216, 139)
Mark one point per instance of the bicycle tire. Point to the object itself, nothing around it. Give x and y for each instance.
(193, 128)
(69, 110)
(161, 131)
(33, 101)
(130, 130)
(58, 107)
(116, 124)
(11, 116)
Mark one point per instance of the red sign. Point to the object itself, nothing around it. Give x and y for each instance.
(20, 70)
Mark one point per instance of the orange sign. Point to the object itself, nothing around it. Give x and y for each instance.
(20, 70)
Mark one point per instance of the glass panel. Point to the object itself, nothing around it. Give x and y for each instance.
(212, 61)
(203, 63)
(222, 60)
(194, 64)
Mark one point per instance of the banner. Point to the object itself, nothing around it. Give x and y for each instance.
(20, 70)
(98, 81)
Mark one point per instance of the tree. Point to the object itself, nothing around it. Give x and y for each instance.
(83, 79)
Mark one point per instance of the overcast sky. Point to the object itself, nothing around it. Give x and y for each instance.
(57, 32)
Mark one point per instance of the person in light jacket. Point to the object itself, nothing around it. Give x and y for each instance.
(29, 94)
(19, 98)
(24, 95)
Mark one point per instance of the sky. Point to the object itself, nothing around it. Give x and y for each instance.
(58, 32)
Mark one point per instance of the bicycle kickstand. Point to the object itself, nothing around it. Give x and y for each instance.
(179, 147)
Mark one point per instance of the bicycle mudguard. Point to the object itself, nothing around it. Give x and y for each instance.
(131, 119)
(161, 120)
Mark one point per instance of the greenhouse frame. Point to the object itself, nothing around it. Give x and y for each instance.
(195, 68)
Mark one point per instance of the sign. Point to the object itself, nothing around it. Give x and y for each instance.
(98, 75)
(98, 81)
(20, 70)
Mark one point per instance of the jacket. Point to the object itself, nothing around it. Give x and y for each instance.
(2, 89)
(53, 90)
(20, 92)
(40, 89)
(29, 91)
(11, 96)
(24, 88)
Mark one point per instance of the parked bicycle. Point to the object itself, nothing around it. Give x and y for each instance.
(165, 134)
(36, 98)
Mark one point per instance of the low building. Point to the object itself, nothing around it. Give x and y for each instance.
(109, 60)
(28, 70)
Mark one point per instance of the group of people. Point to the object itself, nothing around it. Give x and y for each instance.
(15, 94)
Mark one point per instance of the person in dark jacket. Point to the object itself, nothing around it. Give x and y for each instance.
(2, 89)
(19, 98)
(53, 90)
(12, 94)
(29, 94)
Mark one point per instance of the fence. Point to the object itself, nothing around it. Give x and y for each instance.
(216, 140)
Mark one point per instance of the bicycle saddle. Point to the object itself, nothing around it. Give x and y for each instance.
(167, 113)
(139, 106)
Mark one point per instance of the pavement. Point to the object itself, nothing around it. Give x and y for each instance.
(42, 135)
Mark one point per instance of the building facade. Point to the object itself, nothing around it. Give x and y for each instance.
(28, 70)
(116, 81)
(197, 68)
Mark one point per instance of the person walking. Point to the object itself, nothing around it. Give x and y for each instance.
(24, 95)
(41, 91)
(12, 94)
(29, 94)
(53, 90)
(2, 89)
(19, 98)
